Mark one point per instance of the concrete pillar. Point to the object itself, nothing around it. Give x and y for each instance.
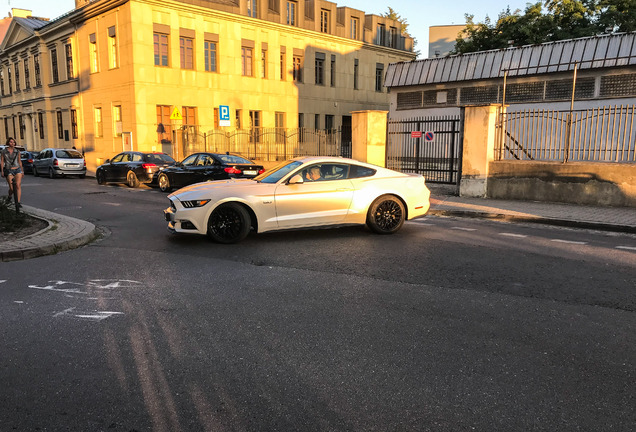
(368, 136)
(480, 134)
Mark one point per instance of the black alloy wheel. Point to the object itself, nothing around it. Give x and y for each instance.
(164, 183)
(386, 215)
(132, 180)
(229, 223)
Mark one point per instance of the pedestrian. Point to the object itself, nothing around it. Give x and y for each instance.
(11, 168)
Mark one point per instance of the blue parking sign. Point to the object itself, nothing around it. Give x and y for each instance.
(224, 115)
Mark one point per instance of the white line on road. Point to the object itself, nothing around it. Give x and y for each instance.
(626, 247)
(464, 229)
(513, 235)
(2, 281)
(568, 241)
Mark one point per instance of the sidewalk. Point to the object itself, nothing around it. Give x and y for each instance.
(66, 233)
(63, 233)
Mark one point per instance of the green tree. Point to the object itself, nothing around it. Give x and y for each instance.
(392, 14)
(617, 15)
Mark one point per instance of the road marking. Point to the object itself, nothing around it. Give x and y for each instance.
(626, 247)
(464, 229)
(2, 281)
(64, 312)
(568, 241)
(513, 235)
(95, 315)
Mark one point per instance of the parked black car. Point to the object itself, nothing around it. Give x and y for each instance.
(132, 168)
(200, 167)
(27, 160)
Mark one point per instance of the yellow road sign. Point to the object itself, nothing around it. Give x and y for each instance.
(176, 114)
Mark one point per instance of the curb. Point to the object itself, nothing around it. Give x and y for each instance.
(537, 220)
(62, 233)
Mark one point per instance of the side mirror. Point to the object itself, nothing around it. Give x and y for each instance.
(296, 179)
(107, 161)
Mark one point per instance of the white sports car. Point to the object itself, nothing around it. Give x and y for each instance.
(299, 193)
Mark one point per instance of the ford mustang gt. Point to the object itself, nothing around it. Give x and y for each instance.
(299, 193)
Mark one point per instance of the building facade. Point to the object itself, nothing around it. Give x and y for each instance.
(114, 74)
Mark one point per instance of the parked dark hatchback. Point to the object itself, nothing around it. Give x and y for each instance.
(27, 161)
(132, 168)
(201, 167)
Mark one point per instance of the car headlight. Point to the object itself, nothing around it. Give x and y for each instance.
(194, 203)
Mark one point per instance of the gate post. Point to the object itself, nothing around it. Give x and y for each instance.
(368, 136)
(478, 151)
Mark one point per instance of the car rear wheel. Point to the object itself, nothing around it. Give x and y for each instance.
(51, 173)
(229, 223)
(35, 171)
(132, 180)
(386, 215)
(164, 183)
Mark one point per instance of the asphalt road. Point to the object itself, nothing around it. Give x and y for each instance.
(449, 325)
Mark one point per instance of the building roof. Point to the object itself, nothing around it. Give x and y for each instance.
(610, 50)
(31, 24)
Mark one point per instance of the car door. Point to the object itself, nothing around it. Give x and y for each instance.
(182, 174)
(315, 203)
(43, 161)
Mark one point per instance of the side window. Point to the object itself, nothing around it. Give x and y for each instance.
(207, 160)
(127, 157)
(136, 157)
(335, 171)
(118, 158)
(189, 161)
(357, 171)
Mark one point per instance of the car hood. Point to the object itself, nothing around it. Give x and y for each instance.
(231, 186)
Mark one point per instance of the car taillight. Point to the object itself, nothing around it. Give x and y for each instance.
(148, 166)
(233, 170)
(84, 163)
(56, 163)
(30, 160)
(261, 171)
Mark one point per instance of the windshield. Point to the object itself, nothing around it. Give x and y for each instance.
(68, 154)
(233, 159)
(278, 172)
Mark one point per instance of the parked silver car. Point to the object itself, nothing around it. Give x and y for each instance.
(59, 162)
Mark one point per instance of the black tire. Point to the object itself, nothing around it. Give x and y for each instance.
(386, 215)
(100, 177)
(229, 223)
(51, 173)
(82, 176)
(132, 180)
(35, 171)
(164, 183)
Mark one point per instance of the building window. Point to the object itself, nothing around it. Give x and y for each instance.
(355, 74)
(333, 70)
(17, 76)
(164, 128)
(113, 59)
(279, 119)
(238, 119)
(117, 125)
(6, 127)
(10, 79)
(379, 76)
(74, 124)
(393, 37)
(329, 120)
(209, 49)
(21, 125)
(27, 75)
(263, 63)
(186, 52)
(40, 124)
(189, 116)
(283, 68)
(301, 120)
(255, 126)
(60, 125)
(2, 82)
(298, 69)
(36, 68)
(161, 49)
(355, 24)
(291, 12)
(252, 8)
(324, 20)
(92, 46)
(246, 58)
(317, 121)
(319, 69)
(99, 124)
(68, 49)
(381, 35)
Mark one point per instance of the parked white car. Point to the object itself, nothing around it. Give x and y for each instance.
(299, 193)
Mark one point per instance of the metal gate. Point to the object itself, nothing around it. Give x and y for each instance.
(430, 146)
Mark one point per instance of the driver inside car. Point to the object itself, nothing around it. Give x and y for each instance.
(313, 174)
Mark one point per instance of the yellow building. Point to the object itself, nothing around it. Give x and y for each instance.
(120, 74)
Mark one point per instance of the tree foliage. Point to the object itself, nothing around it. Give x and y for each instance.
(549, 21)
(404, 26)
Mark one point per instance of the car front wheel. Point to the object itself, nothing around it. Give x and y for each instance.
(164, 183)
(386, 215)
(100, 177)
(132, 180)
(229, 223)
